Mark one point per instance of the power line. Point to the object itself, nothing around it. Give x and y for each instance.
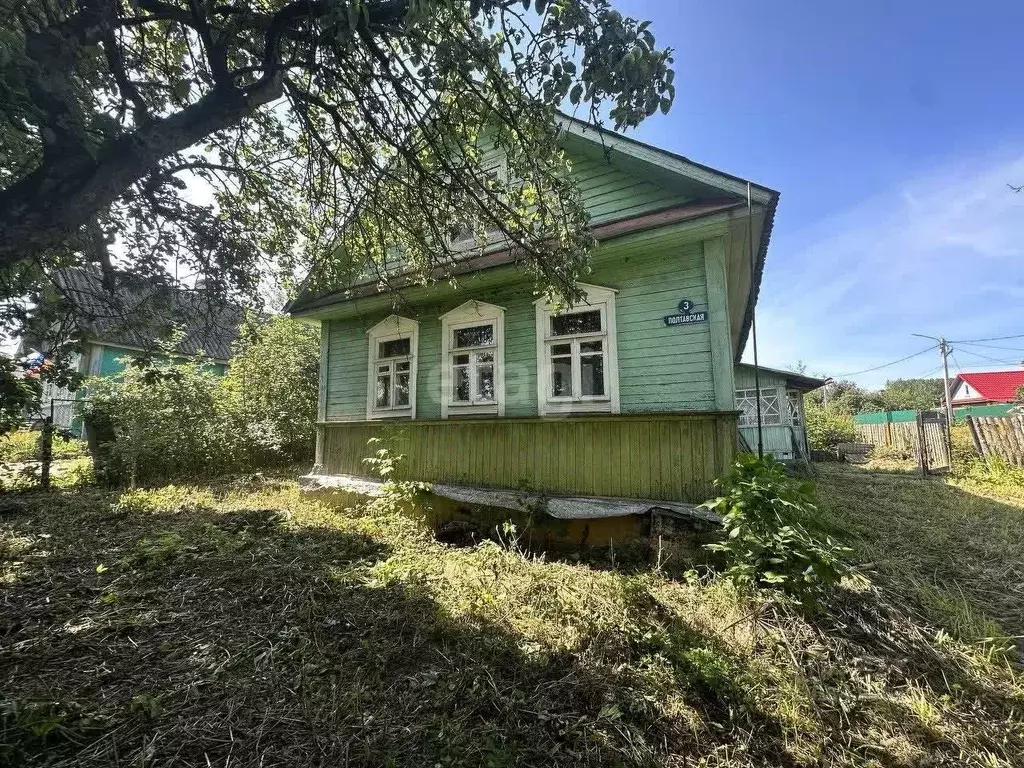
(993, 359)
(886, 365)
(991, 346)
(993, 338)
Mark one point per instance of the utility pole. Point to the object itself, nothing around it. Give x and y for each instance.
(944, 352)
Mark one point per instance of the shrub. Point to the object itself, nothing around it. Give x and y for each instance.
(765, 543)
(270, 391)
(827, 427)
(161, 421)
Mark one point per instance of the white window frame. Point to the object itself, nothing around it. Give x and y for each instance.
(771, 400)
(498, 165)
(392, 328)
(468, 315)
(595, 297)
(795, 411)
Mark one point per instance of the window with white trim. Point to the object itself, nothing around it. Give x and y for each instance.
(771, 407)
(495, 176)
(473, 356)
(577, 362)
(391, 390)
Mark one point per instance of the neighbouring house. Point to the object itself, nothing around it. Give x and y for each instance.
(121, 318)
(632, 393)
(991, 393)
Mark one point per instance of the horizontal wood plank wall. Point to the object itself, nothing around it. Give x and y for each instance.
(661, 368)
(672, 457)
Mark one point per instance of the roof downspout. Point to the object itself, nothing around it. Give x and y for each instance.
(753, 324)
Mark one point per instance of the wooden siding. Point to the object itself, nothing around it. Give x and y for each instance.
(669, 457)
(661, 368)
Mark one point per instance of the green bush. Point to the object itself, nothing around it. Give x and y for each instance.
(270, 391)
(828, 426)
(765, 544)
(162, 421)
(169, 418)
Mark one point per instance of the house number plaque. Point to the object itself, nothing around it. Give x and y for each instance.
(687, 315)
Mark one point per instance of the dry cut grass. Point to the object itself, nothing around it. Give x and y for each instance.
(245, 625)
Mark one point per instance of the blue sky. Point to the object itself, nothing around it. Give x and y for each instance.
(891, 130)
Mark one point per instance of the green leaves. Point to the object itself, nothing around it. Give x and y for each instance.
(766, 544)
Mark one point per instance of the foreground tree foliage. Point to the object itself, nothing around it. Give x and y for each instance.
(233, 139)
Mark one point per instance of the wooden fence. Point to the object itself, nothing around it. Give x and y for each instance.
(999, 436)
(924, 438)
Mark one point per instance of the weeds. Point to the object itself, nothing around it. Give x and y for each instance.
(246, 624)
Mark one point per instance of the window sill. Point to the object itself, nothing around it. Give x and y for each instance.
(457, 410)
(554, 407)
(405, 413)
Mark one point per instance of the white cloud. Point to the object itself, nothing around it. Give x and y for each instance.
(941, 254)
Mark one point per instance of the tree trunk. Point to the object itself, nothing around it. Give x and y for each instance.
(46, 207)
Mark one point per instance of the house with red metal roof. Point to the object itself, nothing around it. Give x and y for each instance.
(986, 389)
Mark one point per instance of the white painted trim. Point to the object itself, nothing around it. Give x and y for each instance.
(389, 329)
(471, 313)
(661, 159)
(325, 356)
(96, 359)
(597, 297)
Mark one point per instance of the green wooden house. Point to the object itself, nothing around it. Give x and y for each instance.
(117, 322)
(630, 393)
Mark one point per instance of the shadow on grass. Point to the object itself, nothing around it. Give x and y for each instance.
(200, 638)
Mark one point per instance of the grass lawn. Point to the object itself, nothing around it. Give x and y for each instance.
(245, 625)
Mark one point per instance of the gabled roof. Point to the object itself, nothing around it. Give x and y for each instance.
(128, 311)
(993, 386)
(714, 194)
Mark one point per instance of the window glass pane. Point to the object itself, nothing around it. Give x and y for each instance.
(484, 357)
(460, 360)
(383, 399)
(461, 384)
(485, 382)
(561, 349)
(401, 390)
(404, 366)
(383, 369)
(578, 322)
(393, 348)
(592, 374)
(590, 346)
(477, 336)
(561, 377)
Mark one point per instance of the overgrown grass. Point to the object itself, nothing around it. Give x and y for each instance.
(23, 445)
(244, 624)
(957, 554)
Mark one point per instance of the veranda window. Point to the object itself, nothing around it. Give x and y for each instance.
(771, 408)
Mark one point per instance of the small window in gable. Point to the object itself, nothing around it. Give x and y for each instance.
(391, 389)
(473, 360)
(576, 355)
(495, 176)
